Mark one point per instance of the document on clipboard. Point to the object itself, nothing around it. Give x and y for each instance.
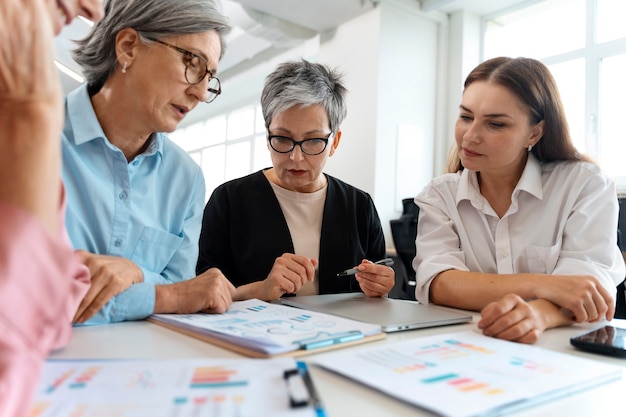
(175, 387)
(259, 329)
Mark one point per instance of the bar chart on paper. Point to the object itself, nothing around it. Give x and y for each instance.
(165, 388)
(467, 374)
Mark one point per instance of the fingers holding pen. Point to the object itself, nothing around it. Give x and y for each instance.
(376, 279)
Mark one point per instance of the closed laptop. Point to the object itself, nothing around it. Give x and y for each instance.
(391, 314)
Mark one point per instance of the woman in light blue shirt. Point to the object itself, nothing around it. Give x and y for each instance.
(135, 199)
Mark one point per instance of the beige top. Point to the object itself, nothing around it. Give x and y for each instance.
(303, 213)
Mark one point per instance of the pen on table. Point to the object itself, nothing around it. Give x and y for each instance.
(352, 271)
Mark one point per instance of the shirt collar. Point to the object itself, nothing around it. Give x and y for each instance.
(82, 116)
(530, 181)
(86, 126)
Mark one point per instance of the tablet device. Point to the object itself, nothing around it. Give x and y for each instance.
(607, 340)
(391, 314)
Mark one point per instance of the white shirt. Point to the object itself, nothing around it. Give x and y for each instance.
(562, 221)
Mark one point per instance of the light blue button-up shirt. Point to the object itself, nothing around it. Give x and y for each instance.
(148, 210)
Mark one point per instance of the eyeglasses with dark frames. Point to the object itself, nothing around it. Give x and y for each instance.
(312, 146)
(196, 68)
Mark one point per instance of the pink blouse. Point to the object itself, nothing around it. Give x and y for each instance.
(41, 284)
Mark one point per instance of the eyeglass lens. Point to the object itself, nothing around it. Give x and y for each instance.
(283, 144)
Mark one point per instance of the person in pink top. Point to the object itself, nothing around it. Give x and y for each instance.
(41, 280)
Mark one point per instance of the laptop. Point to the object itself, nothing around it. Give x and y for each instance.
(391, 314)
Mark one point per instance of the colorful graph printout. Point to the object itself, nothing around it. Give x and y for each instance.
(467, 374)
(166, 388)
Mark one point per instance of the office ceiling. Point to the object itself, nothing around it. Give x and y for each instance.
(260, 28)
(264, 28)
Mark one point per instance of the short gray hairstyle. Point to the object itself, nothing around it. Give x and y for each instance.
(302, 83)
(152, 19)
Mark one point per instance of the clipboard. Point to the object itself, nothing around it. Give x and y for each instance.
(301, 390)
(258, 329)
(318, 345)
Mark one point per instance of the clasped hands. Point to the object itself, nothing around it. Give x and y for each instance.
(558, 300)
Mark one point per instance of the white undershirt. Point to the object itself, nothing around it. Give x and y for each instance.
(303, 213)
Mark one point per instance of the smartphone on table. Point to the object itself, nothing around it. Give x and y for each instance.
(607, 340)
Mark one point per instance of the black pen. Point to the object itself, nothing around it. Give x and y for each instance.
(352, 271)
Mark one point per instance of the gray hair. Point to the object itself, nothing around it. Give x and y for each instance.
(302, 83)
(152, 19)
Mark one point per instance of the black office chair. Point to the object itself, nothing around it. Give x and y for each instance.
(404, 232)
(620, 302)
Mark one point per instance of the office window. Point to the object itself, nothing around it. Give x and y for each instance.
(583, 42)
(227, 146)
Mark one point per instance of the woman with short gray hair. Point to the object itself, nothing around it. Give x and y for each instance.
(291, 228)
(134, 198)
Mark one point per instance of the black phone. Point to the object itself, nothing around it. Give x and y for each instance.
(607, 340)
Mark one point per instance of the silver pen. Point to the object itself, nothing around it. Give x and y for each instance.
(352, 271)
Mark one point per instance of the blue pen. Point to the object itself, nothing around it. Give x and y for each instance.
(352, 271)
(297, 396)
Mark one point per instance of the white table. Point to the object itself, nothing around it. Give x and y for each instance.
(342, 397)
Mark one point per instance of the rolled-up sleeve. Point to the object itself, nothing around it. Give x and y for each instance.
(437, 246)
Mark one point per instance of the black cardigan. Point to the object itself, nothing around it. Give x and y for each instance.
(244, 231)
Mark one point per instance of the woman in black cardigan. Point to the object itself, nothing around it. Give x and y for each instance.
(291, 229)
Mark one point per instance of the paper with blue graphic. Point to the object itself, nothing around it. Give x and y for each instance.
(271, 328)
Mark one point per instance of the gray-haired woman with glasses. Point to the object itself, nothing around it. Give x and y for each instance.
(291, 229)
(134, 198)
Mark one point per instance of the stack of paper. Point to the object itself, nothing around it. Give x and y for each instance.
(254, 326)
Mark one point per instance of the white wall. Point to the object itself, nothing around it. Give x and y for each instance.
(389, 57)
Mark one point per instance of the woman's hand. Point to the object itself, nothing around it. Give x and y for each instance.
(209, 292)
(512, 318)
(582, 295)
(289, 273)
(375, 280)
(110, 275)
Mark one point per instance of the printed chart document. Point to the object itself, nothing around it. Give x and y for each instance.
(176, 388)
(259, 329)
(466, 374)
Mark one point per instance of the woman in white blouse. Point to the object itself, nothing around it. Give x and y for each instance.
(523, 227)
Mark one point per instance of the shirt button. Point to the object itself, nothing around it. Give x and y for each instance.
(135, 162)
(503, 254)
(123, 195)
(118, 243)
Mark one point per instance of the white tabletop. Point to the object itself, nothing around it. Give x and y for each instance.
(341, 396)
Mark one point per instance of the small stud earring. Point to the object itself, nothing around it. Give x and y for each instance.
(124, 68)
(530, 148)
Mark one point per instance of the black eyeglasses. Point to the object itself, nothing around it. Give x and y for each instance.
(196, 68)
(313, 146)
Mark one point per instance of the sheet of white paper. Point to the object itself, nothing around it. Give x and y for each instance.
(165, 388)
(269, 328)
(467, 374)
